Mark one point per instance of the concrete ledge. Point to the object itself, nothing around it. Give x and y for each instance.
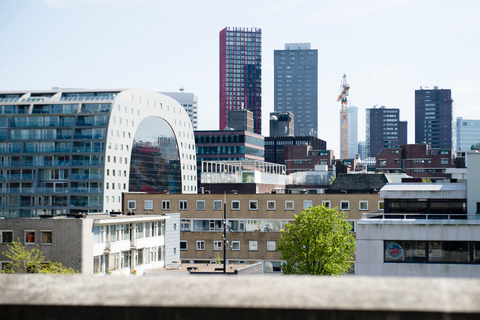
(207, 297)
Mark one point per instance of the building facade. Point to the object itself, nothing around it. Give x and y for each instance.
(435, 123)
(224, 145)
(384, 129)
(468, 133)
(416, 160)
(240, 120)
(240, 73)
(189, 102)
(254, 221)
(352, 132)
(274, 146)
(282, 124)
(98, 244)
(295, 86)
(68, 151)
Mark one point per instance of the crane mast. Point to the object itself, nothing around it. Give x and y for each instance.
(344, 88)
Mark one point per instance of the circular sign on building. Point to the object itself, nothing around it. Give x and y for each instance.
(394, 251)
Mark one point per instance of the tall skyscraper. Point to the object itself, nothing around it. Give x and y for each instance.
(352, 118)
(468, 133)
(240, 73)
(295, 86)
(189, 102)
(434, 120)
(384, 129)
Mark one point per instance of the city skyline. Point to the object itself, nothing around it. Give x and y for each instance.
(50, 41)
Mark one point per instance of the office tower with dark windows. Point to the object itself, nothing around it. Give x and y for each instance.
(434, 120)
(240, 74)
(384, 129)
(295, 86)
(70, 151)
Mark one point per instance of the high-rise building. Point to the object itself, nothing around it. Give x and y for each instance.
(295, 86)
(434, 120)
(282, 124)
(384, 129)
(362, 149)
(468, 133)
(240, 73)
(189, 102)
(352, 132)
(73, 151)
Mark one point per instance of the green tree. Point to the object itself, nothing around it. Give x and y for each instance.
(317, 242)
(31, 261)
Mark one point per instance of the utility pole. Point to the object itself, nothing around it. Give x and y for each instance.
(225, 234)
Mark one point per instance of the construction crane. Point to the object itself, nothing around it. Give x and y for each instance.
(344, 87)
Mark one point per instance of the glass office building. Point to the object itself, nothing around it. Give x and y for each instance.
(240, 74)
(72, 151)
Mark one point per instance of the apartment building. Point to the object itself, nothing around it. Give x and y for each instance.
(254, 220)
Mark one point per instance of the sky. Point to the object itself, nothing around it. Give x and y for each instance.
(387, 49)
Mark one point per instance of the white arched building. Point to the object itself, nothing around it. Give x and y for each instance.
(69, 151)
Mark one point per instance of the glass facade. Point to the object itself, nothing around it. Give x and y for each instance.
(240, 73)
(155, 162)
(52, 157)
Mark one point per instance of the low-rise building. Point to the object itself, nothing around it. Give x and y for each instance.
(98, 243)
(416, 160)
(254, 221)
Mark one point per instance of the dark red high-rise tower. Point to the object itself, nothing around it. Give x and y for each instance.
(240, 73)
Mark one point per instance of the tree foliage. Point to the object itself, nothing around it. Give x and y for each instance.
(31, 261)
(318, 242)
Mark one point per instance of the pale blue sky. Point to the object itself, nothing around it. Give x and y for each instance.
(387, 49)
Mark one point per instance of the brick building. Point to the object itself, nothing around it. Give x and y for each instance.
(255, 220)
(416, 160)
(305, 158)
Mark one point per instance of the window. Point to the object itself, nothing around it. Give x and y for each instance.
(29, 237)
(183, 245)
(444, 161)
(289, 205)
(165, 204)
(307, 204)
(46, 237)
(148, 204)
(382, 163)
(217, 204)
(253, 245)
(363, 205)
(380, 205)
(253, 205)
(183, 204)
(344, 205)
(139, 230)
(132, 205)
(352, 226)
(200, 245)
(235, 245)
(271, 205)
(271, 245)
(235, 204)
(326, 203)
(217, 245)
(6, 236)
(200, 204)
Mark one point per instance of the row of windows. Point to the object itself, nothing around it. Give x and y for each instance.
(252, 204)
(234, 246)
(464, 252)
(123, 259)
(29, 237)
(112, 233)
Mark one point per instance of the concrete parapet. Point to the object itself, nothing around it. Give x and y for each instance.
(212, 297)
